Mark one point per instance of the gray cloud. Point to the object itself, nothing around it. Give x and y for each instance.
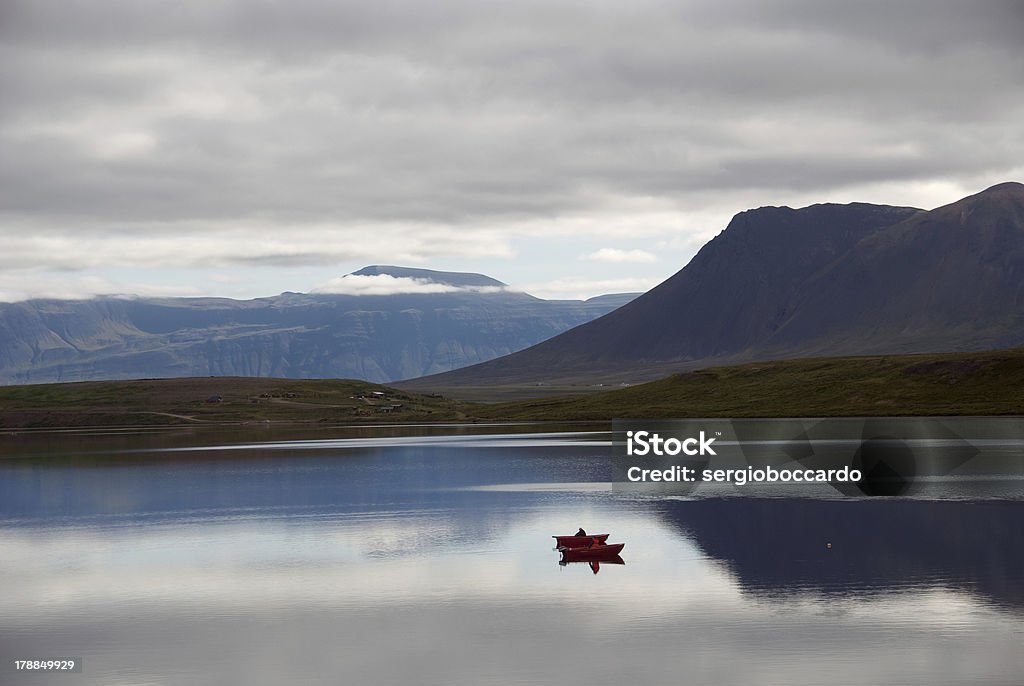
(355, 121)
(616, 255)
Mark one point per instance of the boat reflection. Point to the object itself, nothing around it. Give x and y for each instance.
(595, 565)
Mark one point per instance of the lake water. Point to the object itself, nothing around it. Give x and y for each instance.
(424, 555)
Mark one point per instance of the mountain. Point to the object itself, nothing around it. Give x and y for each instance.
(407, 322)
(457, 279)
(822, 280)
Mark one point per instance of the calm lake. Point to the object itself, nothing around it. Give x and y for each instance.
(423, 555)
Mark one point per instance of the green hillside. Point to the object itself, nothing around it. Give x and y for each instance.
(214, 400)
(984, 383)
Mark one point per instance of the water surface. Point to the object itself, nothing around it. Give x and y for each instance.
(424, 556)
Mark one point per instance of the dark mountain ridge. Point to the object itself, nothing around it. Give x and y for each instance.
(822, 280)
(294, 335)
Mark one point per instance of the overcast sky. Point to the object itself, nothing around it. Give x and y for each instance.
(247, 147)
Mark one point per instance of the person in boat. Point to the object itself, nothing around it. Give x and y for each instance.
(581, 532)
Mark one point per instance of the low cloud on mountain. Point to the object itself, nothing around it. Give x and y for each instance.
(385, 284)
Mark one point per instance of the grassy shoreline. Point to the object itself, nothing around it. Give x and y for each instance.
(214, 401)
(989, 383)
(979, 383)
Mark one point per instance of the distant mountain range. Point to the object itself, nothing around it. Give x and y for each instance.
(824, 280)
(399, 323)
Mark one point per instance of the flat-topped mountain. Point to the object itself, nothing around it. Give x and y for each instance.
(378, 324)
(822, 280)
(457, 279)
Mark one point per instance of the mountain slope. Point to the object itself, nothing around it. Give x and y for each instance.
(949, 279)
(823, 280)
(373, 337)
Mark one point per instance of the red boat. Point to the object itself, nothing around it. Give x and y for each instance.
(578, 541)
(601, 552)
